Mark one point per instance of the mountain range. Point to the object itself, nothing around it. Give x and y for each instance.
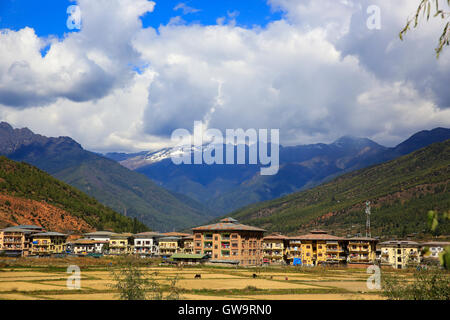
(225, 188)
(401, 192)
(115, 186)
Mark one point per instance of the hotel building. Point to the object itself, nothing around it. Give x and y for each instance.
(230, 242)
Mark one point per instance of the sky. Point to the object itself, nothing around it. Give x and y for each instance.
(136, 70)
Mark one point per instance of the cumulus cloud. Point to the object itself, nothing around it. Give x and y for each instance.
(316, 74)
(83, 66)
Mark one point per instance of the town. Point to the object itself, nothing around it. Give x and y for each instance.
(226, 243)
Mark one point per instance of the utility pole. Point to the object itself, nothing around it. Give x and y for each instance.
(368, 234)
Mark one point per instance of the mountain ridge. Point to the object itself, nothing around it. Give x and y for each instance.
(123, 190)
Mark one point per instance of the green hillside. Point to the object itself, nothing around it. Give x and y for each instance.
(401, 191)
(25, 181)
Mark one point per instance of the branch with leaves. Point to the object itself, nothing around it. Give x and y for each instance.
(425, 11)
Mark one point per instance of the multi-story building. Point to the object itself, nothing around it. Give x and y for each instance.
(86, 246)
(316, 248)
(16, 241)
(400, 254)
(169, 246)
(294, 251)
(186, 244)
(147, 243)
(230, 242)
(99, 235)
(274, 248)
(361, 250)
(48, 243)
(120, 244)
(433, 249)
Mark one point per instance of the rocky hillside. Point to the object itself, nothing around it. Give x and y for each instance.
(31, 196)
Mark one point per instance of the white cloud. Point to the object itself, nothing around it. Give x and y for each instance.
(316, 74)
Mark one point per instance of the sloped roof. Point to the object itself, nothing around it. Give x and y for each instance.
(361, 239)
(228, 224)
(188, 256)
(100, 233)
(45, 234)
(149, 234)
(176, 234)
(276, 236)
(317, 235)
(16, 229)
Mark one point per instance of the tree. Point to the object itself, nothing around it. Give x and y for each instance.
(133, 283)
(428, 284)
(425, 10)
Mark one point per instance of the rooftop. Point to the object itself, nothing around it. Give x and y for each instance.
(49, 234)
(149, 234)
(188, 256)
(176, 234)
(317, 235)
(99, 233)
(228, 224)
(276, 236)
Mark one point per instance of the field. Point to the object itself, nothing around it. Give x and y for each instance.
(47, 279)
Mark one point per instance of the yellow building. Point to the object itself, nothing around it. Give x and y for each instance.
(169, 246)
(316, 248)
(186, 245)
(16, 241)
(400, 254)
(274, 248)
(48, 243)
(120, 244)
(361, 250)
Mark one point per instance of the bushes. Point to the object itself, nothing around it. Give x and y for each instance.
(428, 284)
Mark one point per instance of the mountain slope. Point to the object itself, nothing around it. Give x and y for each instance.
(225, 188)
(31, 196)
(401, 191)
(110, 183)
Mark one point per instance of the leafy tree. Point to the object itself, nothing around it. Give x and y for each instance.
(133, 283)
(425, 10)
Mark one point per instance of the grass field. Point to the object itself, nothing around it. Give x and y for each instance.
(47, 279)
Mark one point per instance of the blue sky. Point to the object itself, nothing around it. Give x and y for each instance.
(48, 17)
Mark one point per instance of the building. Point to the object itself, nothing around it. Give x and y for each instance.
(230, 242)
(48, 243)
(400, 254)
(183, 258)
(362, 250)
(316, 248)
(86, 246)
(432, 250)
(186, 244)
(120, 244)
(274, 248)
(169, 246)
(147, 243)
(16, 241)
(99, 235)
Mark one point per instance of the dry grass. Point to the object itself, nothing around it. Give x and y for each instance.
(216, 284)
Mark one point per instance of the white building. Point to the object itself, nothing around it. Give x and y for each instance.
(434, 248)
(146, 243)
